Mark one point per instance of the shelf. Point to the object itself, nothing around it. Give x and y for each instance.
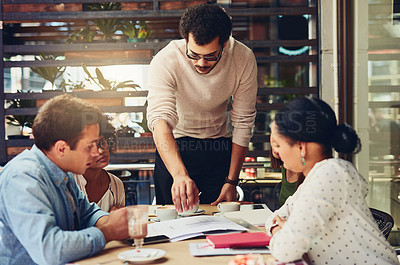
(267, 91)
(73, 47)
(252, 19)
(80, 94)
(148, 14)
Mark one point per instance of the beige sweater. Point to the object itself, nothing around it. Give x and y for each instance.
(195, 105)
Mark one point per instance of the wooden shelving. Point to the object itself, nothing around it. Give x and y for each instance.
(33, 27)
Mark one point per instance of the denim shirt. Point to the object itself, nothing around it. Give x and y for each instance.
(37, 221)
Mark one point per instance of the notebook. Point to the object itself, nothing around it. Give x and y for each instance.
(239, 240)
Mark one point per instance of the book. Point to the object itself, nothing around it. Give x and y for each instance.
(205, 249)
(190, 227)
(239, 240)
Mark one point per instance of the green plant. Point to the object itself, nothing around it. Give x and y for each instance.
(21, 120)
(85, 34)
(107, 26)
(49, 73)
(143, 123)
(105, 84)
(71, 85)
(124, 131)
(269, 81)
(136, 29)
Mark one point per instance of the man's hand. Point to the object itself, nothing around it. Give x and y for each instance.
(184, 193)
(115, 225)
(115, 207)
(228, 193)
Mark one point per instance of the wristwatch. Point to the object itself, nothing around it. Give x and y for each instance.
(232, 182)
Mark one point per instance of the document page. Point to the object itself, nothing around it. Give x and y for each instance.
(254, 217)
(189, 227)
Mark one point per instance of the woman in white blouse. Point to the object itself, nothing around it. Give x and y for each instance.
(327, 217)
(100, 186)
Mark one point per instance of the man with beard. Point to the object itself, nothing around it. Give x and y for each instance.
(200, 145)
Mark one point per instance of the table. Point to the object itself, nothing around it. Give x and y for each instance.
(177, 253)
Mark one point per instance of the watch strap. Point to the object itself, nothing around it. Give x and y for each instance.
(232, 182)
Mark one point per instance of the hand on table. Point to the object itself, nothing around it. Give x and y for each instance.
(115, 225)
(184, 193)
(228, 193)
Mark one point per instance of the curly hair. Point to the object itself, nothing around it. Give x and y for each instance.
(206, 22)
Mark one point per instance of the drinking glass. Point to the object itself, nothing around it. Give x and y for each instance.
(137, 223)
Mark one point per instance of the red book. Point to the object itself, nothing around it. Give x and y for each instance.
(239, 240)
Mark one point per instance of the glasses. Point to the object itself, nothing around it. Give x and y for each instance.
(103, 144)
(197, 57)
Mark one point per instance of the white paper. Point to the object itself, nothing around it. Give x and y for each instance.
(189, 227)
(254, 217)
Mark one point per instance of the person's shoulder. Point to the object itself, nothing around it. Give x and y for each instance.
(333, 166)
(115, 179)
(172, 49)
(25, 160)
(239, 47)
(241, 54)
(22, 168)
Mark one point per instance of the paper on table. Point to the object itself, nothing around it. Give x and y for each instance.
(254, 217)
(205, 249)
(184, 228)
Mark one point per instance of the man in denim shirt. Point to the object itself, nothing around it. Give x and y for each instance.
(44, 217)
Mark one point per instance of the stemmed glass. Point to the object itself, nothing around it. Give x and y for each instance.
(137, 224)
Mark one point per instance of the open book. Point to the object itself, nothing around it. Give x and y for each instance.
(185, 228)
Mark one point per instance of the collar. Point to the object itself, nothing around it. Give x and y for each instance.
(57, 175)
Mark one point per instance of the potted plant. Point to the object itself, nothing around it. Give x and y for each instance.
(21, 121)
(51, 73)
(146, 131)
(84, 35)
(105, 84)
(137, 31)
(107, 26)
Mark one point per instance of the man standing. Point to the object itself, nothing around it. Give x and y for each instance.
(191, 84)
(44, 217)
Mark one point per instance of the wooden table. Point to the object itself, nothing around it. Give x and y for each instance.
(177, 253)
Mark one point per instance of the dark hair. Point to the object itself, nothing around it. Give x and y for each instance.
(63, 118)
(313, 120)
(108, 132)
(276, 163)
(206, 22)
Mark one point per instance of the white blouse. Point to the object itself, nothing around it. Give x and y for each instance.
(114, 195)
(328, 218)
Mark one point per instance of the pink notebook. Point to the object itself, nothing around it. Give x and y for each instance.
(239, 240)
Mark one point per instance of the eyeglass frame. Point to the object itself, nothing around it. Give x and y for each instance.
(99, 143)
(217, 58)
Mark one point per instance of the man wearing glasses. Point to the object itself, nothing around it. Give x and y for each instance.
(44, 217)
(200, 146)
